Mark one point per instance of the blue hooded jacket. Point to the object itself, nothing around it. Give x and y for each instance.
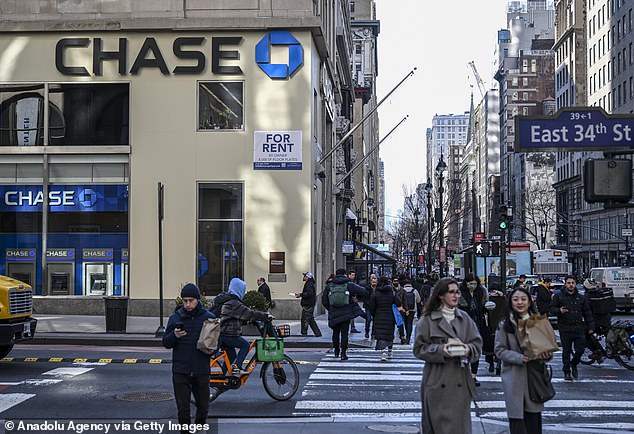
(232, 312)
(237, 287)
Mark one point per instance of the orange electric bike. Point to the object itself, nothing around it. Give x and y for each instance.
(279, 373)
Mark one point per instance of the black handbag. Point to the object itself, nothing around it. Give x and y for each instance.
(540, 386)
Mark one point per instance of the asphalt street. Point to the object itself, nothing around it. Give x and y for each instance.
(362, 394)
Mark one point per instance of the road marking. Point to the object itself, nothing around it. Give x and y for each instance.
(67, 372)
(416, 405)
(8, 400)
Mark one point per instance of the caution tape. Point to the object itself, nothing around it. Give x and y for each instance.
(85, 360)
(105, 360)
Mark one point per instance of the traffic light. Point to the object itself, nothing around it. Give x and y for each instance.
(504, 217)
(495, 248)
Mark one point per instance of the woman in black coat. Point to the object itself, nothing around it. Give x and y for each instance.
(383, 317)
(473, 299)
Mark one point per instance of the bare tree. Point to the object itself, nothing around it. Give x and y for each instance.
(538, 212)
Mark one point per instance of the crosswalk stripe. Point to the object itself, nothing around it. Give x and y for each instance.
(416, 405)
(8, 400)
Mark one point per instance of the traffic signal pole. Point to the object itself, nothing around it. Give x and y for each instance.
(503, 259)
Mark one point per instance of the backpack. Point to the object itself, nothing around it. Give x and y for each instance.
(339, 295)
(410, 297)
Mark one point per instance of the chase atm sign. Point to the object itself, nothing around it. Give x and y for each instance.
(67, 198)
(579, 128)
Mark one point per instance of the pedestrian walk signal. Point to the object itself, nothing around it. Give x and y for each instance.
(495, 248)
(482, 248)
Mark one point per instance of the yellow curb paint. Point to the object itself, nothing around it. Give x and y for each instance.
(105, 360)
(129, 360)
(154, 361)
(56, 359)
(7, 359)
(31, 359)
(80, 360)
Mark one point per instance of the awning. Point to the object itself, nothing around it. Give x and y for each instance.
(350, 215)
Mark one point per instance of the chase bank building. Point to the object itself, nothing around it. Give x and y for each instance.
(105, 133)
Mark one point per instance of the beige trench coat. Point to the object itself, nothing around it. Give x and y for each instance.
(447, 388)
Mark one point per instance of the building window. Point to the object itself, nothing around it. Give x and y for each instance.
(220, 229)
(84, 114)
(220, 105)
(533, 65)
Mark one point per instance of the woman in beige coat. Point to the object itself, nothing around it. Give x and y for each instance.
(447, 388)
(524, 415)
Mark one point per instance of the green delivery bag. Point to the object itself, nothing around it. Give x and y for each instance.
(270, 349)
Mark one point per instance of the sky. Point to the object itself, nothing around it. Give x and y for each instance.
(439, 38)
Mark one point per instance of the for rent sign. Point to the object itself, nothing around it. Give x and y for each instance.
(277, 150)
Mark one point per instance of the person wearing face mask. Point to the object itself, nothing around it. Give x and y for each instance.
(447, 340)
(574, 317)
(473, 299)
(524, 415)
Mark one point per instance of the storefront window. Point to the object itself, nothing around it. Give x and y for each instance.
(79, 114)
(220, 105)
(86, 241)
(220, 230)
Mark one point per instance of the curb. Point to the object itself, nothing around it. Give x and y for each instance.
(148, 340)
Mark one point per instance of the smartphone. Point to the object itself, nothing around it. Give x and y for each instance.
(179, 326)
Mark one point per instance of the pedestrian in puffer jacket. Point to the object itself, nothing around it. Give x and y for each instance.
(190, 367)
(232, 314)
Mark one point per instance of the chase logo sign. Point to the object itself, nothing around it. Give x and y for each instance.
(65, 198)
(263, 54)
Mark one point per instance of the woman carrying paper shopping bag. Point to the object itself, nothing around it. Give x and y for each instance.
(524, 415)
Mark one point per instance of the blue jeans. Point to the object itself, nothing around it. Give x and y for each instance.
(231, 342)
(568, 340)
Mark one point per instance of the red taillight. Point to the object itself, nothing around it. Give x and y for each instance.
(603, 285)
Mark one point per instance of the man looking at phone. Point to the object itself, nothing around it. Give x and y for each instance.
(574, 318)
(190, 367)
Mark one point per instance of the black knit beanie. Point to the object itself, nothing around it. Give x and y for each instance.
(191, 291)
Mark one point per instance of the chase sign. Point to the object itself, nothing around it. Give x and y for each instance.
(263, 54)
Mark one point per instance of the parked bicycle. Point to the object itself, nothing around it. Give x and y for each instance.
(280, 378)
(615, 342)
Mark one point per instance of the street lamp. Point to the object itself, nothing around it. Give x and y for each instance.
(542, 232)
(440, 169)
(430, 223)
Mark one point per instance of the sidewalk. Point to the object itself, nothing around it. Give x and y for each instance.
(91, 330)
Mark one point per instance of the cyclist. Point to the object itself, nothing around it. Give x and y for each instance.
(232, 314)
(602, 320)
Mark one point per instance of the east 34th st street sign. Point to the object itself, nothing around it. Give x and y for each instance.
(570, 129)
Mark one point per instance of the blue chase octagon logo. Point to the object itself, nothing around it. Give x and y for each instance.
(263, 54)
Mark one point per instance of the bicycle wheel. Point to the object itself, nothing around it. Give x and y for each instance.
(625, 357)
(281, 379)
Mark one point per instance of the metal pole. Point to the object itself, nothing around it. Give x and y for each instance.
(45, 188)
(429, 227)
(160, 331)
(473, 225)
(365, 157)
(442, 226)
(503, 260)
(370, 113)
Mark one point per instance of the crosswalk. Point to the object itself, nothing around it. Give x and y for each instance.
(365, 387)
(9, 399)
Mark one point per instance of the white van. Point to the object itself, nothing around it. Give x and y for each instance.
(621, 280)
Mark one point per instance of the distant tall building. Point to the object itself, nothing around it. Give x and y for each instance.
(448, 137)
(526, 77)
